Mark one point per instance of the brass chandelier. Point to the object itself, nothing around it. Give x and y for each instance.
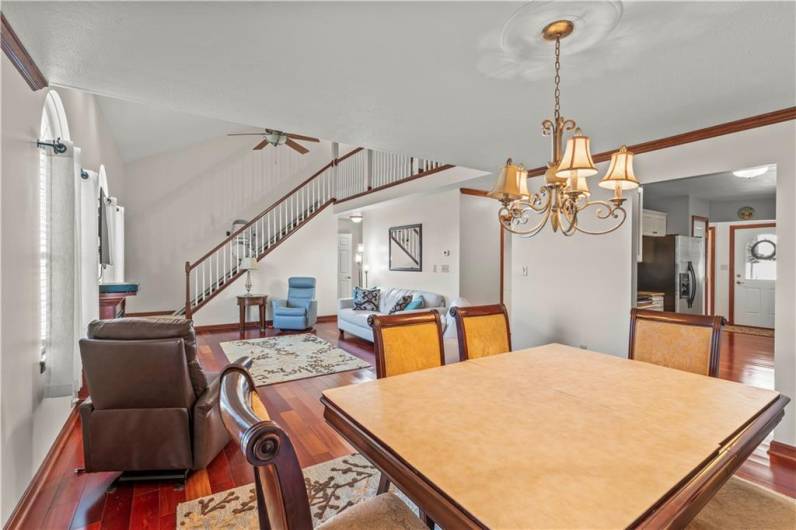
(565, 192)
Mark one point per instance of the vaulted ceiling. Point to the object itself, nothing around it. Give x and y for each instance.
(466, 83)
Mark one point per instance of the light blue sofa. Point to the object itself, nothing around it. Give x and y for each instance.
(300, 309)
(349, 320)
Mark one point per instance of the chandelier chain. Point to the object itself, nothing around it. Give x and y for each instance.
(557, 93)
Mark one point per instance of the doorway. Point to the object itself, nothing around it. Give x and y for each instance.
(724, 225)
(344, 260)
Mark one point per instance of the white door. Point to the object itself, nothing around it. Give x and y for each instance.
(344, 259)
(755, 276)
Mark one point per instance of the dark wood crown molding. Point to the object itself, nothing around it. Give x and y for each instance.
(19, 56)
(730, 127)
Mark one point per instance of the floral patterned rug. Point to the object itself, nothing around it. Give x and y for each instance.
(332, 487)
(290, 357)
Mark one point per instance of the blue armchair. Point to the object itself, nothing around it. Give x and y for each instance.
(300, 310)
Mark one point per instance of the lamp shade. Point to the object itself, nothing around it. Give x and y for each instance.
(248, 264)
(581, 186)
(511, 183)
(620, 172)
(576, 161)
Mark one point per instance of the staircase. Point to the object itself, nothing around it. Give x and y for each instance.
(358, 172)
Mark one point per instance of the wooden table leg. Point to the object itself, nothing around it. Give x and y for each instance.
(262, 316)
(242, 318)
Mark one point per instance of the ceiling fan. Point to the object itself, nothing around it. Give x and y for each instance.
(277, 138)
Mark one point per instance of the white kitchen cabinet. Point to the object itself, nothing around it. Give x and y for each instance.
(653, 223)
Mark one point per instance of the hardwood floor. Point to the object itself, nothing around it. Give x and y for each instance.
(94, 502)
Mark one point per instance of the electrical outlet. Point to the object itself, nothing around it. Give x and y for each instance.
(583, 347)
(525, 270)
(445, 268)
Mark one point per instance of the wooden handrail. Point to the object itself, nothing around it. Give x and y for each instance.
(254, 219)
(240, 272)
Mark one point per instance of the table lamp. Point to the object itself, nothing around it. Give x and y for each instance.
(248, 264)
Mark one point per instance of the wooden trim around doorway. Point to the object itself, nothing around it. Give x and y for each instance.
(712, 270)
(733, 228)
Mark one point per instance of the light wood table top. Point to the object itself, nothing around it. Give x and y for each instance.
(553, 436)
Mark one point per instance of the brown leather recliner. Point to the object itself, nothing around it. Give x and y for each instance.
(151, 407)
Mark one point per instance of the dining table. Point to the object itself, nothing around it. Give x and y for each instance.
(555, 437)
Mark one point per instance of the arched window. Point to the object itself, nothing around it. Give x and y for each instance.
(53, 126)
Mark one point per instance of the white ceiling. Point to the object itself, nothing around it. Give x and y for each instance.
(717, 187)
(143, 130)
(456, 82)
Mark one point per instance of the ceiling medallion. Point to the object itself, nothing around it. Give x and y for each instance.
(565, 192)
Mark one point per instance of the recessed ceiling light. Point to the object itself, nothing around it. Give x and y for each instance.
(750, 173)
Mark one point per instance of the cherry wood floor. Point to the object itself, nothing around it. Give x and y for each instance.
(93, 501)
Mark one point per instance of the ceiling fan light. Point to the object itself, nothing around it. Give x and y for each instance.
(577, 161)
(511, 183)
(620, 172)
(751, 172)
(275, 137)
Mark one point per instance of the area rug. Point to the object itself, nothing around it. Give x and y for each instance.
(746, 330)
(338, 484)
(291, 357)
(332, 487)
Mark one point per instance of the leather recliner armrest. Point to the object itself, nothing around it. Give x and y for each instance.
(209, 434)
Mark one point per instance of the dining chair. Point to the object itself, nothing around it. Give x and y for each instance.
(406, 343)
(282, 500)
(676, 340)
(482, 330)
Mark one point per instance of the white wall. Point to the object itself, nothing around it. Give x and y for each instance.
(30, 423)
(773, 144)
(181, 203)
(726, 211)
(311, 251)
(479, 248)
(577, 290)
(439, 215)
(722, 285)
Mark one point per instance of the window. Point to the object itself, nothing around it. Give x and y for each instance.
(761, 258)
(53, 126)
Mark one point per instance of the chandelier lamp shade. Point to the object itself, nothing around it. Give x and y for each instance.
(565, 192)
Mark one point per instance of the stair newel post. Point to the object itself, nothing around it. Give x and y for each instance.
(188, 311)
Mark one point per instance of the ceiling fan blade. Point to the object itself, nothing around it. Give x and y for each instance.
(261, 145)
(246, 134)
(302, 137)
(296, 146)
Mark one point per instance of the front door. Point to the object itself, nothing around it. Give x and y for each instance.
(344, 259)
(755, 275)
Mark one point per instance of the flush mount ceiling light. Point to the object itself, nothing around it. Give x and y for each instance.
(565, 192)
(356, 218)
(751, 172)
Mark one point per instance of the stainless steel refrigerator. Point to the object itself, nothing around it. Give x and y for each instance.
(675, 266)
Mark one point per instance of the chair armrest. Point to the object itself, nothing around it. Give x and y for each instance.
(209, 398)
(278, 302)
(345, 303)
(311, 306)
